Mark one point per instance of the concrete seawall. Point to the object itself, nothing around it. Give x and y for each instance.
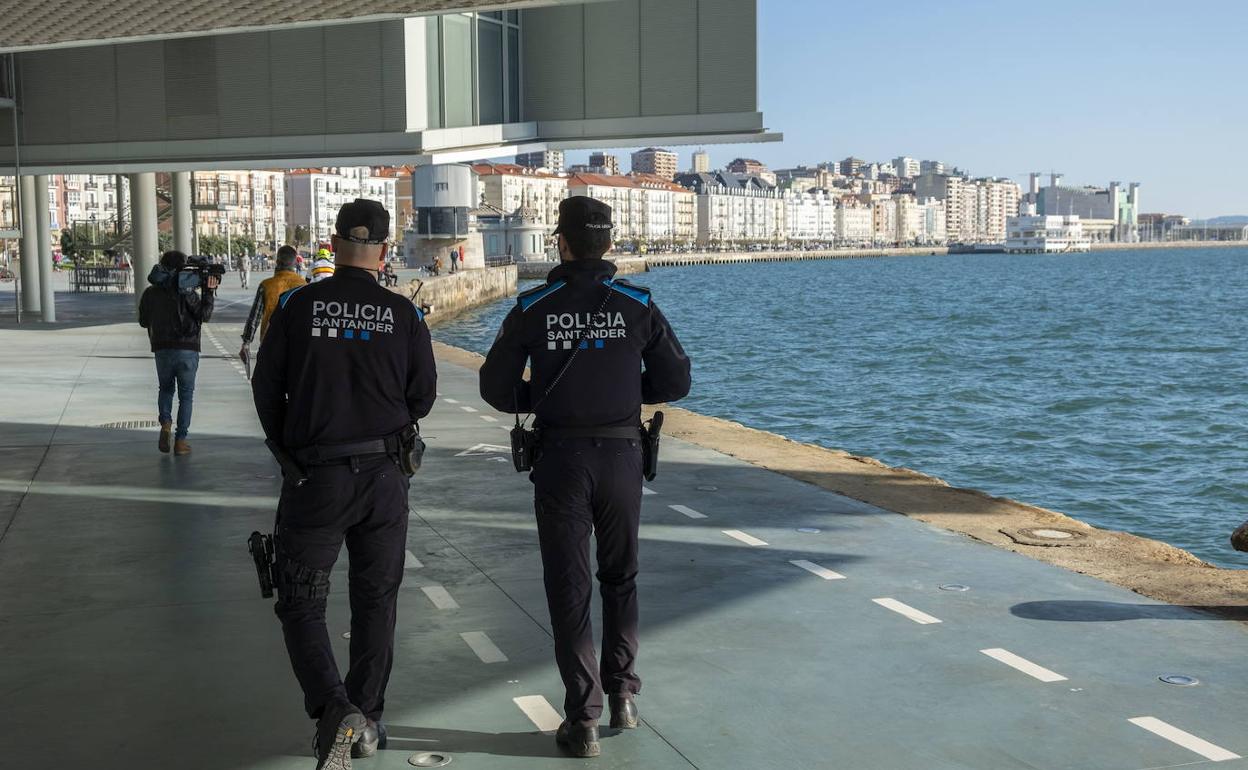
(450, 295)
(723, 258)
(1170, 245)
(539, 270)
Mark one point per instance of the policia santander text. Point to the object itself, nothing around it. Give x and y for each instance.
(587, 474)
(342, 375)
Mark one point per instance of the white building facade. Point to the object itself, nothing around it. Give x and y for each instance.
(313, 196)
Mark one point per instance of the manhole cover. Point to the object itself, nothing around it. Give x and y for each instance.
(130, 424)
(1180, 680)
(809, 530)
(954, 587)
(1050, 536)
(429, 759)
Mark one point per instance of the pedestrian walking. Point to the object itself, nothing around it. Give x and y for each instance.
(267, 294)
(344, 373)
(173, 309)
(598, 348)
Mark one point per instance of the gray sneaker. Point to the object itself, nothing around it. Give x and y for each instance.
(337, 731)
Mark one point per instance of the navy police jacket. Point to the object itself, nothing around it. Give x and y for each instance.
(626, 353)
(344, 360)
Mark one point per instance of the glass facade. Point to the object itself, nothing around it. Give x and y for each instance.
(473, 62)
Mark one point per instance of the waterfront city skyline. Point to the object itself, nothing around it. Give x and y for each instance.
(1106, 91)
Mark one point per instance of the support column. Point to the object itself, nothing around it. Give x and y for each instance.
(30, 247)
(43, 231)
(183, 241)
(143, 227)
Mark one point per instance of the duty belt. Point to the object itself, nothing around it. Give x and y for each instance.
(329, 453)
(556, 434)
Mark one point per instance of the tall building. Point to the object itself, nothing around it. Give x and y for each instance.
(551, 160)
(931, 167)
(976, 210)
(610, 164)
(737, 209)
(701, 162)
(313, 196)
(851, 165)
(906, 167)
(656, 161)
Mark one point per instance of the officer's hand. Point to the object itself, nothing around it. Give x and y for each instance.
(213, 282)
(242, 352)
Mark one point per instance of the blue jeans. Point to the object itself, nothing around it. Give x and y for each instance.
(176, 368)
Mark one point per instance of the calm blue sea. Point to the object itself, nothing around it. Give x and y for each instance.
(1110, 386)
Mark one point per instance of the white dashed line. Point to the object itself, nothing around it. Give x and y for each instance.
(648, 491)
(450, 401)
(410, 561)
(906, 610)
(815, 569)
(468, 409)
(686, 510)
(540, 712)
(440, 597)
(485, 649)
(489, 418)
(1024, 665)
(1184, 739)
(737, 534)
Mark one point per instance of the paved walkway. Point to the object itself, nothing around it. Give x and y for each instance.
(784, 626)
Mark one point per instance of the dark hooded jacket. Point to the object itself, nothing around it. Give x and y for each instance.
(173, 312)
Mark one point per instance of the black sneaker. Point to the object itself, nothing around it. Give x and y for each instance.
(623, 711)
(373, 739)
(580, 739)
(339, 728)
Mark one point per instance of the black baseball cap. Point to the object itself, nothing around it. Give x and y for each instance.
(363, 213)
(580, 213)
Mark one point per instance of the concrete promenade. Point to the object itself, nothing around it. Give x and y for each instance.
(784, 626)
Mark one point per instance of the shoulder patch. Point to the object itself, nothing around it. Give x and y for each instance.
(531, 297)
(638, 293)
(286, 295)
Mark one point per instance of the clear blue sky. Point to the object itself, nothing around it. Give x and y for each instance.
(1101, 90)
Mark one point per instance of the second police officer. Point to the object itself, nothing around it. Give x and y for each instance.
(598, 348)
(343, 374)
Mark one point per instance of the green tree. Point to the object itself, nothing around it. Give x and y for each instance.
(242, 244)
(164, 242)
(77, 241)
(302, 234)
(211, 244)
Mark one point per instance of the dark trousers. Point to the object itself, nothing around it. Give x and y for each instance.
(584, 486)
(366, 508)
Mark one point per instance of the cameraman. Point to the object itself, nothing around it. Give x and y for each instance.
(172, 312)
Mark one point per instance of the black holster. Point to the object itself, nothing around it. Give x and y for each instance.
(650, 447)
(261, 548)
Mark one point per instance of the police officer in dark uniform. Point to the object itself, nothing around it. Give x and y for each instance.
(343, 374)
(587, 337)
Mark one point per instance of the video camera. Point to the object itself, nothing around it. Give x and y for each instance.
(196, 272)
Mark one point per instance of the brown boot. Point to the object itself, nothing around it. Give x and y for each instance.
(181, 447)
(166, 436)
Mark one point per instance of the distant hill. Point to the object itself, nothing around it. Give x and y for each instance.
(1236, 219)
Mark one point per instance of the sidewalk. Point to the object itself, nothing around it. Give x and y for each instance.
(783, 626)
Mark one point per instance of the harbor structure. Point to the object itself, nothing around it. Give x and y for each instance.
(1046, 234)
(1108, 213)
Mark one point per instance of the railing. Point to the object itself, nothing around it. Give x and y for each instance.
(102, 278)
(500, 261)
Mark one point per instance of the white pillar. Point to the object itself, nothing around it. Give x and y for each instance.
(143, 226)
(182, 216)
(29, 246)
(43, 231)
